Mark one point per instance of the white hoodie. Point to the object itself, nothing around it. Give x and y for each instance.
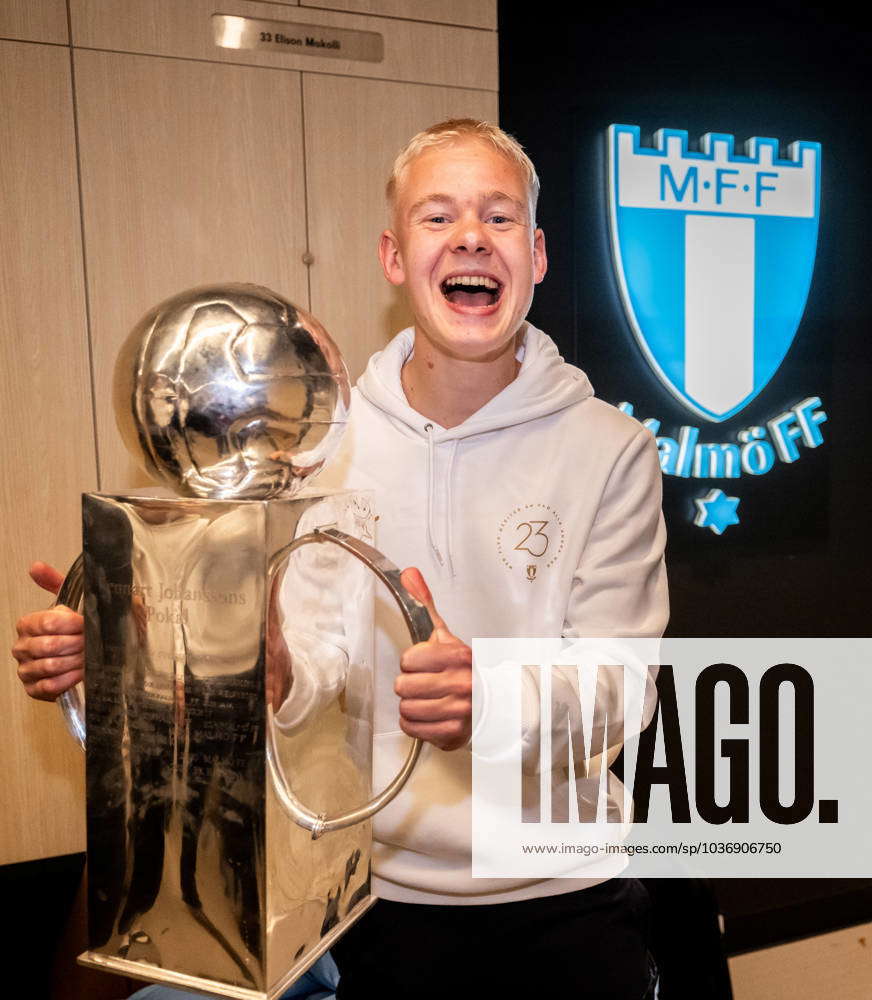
(537, 516)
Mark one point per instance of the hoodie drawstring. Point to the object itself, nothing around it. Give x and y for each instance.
(431, 486)
(431, 490)
(450, 511)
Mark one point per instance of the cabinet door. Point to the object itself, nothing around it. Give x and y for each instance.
(47, 444)
(474, 13)
(34, 20)
(191, 173)
(354, 129)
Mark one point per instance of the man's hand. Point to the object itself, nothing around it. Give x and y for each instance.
(435, 686)
(51, 644)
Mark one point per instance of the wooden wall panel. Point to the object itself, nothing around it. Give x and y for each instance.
(829, 965)
(414, 51)
(34, 20)
(348, 164)
(47, 445)
(191, 173)
(474, 13)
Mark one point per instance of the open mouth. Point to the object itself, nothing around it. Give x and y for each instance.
(472, 290)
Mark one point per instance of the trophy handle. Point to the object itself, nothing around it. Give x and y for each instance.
(71, 703)
(420, 627)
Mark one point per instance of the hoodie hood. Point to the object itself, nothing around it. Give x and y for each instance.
(544, 385)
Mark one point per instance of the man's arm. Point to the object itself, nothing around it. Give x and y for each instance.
(619, 587)
(619, 592)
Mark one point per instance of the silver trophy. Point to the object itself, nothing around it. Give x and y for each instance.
(227, 711)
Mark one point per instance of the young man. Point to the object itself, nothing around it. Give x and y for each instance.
(531, 509)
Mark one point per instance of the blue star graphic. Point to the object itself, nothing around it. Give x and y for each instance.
(716, 511)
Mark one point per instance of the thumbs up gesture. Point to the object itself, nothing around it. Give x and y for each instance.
(435, 685)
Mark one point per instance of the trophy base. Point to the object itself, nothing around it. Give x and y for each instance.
(197, 984)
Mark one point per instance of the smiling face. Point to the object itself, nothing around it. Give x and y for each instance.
(463, 243)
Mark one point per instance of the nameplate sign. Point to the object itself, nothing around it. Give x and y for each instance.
(232, 32)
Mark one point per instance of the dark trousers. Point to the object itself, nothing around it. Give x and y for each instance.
(591, 944)
(686, 940)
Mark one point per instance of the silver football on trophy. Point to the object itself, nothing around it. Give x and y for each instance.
(231, 391)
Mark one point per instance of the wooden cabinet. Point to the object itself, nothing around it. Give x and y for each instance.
(47, 440)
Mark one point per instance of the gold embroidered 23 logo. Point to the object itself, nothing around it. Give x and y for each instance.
(530, 538)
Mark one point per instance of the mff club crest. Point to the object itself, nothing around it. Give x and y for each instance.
(714, 252)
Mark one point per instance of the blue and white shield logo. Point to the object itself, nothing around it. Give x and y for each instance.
(714, 253)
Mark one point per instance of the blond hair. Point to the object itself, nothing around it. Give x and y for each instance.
(456, 130)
